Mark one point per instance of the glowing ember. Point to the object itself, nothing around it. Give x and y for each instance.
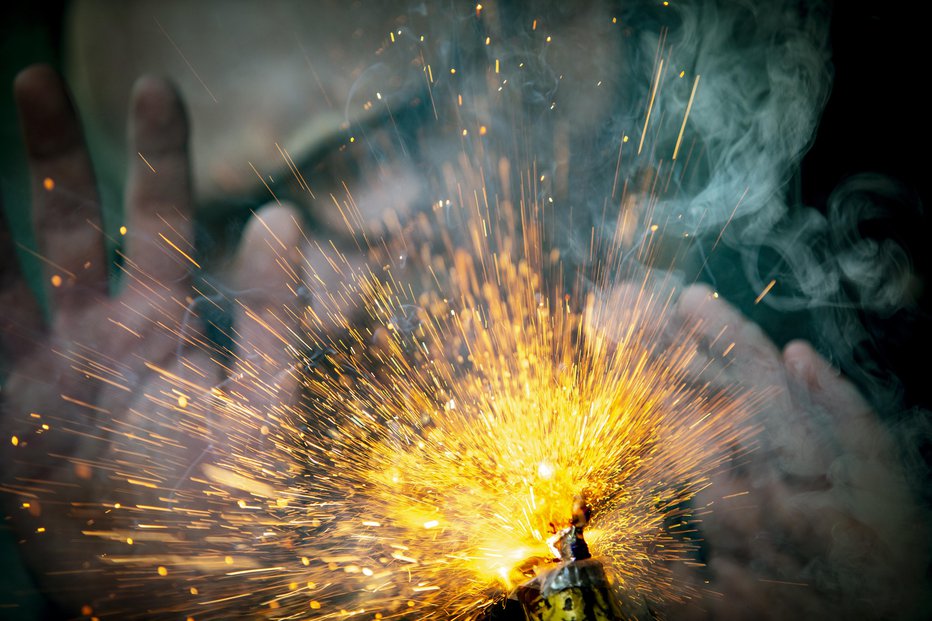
(457, 391)
(439, 441)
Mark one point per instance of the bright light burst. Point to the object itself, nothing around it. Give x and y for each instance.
(441, 437)
(457, 391)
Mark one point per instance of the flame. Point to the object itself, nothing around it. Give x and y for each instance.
(440, 440)
(458, 391)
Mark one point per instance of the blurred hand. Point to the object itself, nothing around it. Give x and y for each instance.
(817, 521)
(87, 415)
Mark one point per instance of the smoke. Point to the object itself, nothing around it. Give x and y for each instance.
(835, 515)
(573, 89)
(838, 486)
(765, 78)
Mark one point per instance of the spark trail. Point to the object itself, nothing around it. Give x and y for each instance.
(449, 407)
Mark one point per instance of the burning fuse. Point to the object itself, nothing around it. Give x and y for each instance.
(576, 589)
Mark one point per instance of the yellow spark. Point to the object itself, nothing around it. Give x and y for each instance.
(123, 230)
(186, 61)
(650, 106)
(48, 183)
(56, 280)
(14, 441)
(143, 157)
(766, 290)
(179, 251)
(689, 106)
(436, 442)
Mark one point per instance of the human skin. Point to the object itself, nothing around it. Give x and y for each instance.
(823, 521)
(42, 356)
(818, 519)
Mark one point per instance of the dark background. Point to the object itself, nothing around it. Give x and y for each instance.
(876, 120)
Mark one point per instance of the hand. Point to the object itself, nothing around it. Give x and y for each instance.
(817, 521)
(88, 416)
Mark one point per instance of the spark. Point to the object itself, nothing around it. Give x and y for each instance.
(180, 251)
(440, 434)
(267, 187)
(451, 439)
(186, 61)
(689, 107)
(766, 290)
(650, 106)
(143, 157)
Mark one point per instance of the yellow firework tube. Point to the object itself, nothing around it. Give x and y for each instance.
(573, 591)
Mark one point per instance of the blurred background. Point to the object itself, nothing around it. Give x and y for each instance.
(875, 122)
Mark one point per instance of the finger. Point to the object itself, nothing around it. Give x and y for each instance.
(66, 203)
(266, 306)
(728, 339)
(326, 271)
(821, 388)
(866, 466)
(159, 230)
(739, 355)
(20, 317)
(631, 313)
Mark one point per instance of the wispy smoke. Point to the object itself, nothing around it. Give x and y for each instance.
(766, 75)
(561, 89)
